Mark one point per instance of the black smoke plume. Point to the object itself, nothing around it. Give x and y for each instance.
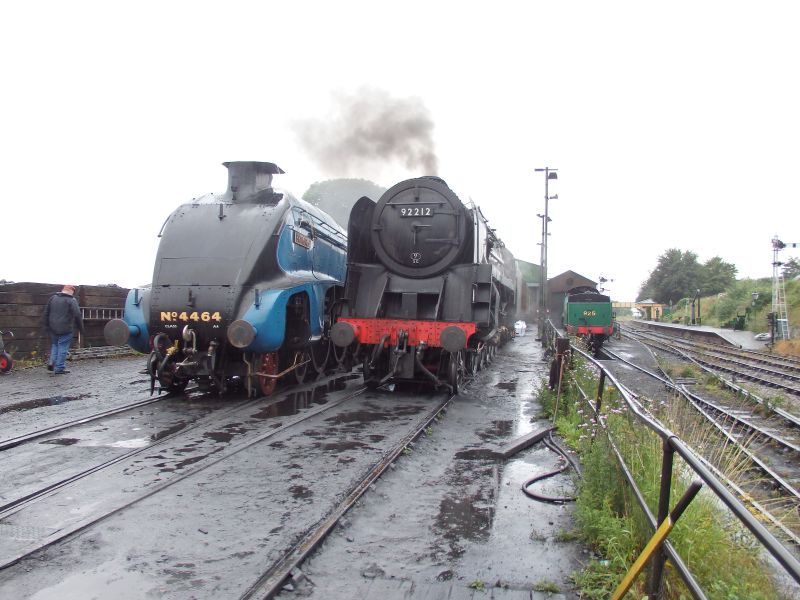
(371, 129)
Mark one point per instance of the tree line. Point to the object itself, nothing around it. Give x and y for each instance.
(679, 274)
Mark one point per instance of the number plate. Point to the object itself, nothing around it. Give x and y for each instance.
(416, 211)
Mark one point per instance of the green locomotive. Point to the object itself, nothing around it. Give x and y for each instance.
(587, 313)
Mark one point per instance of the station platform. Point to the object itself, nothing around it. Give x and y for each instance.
(710, 335)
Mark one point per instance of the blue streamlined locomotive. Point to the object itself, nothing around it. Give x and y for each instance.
(243, 289)
(431, 290)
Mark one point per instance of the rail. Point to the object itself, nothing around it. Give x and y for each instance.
(672, 444)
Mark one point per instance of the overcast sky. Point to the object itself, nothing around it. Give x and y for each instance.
(672, 125)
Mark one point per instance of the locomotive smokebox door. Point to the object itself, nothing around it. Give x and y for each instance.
(419, 227)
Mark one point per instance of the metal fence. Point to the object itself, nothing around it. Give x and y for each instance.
(96, 313)
(672, 444)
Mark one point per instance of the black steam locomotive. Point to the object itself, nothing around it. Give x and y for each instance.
(243, 289)
(430, 290)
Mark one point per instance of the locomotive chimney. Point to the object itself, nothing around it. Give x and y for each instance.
(251, 181)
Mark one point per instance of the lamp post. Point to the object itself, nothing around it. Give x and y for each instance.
(548, 175)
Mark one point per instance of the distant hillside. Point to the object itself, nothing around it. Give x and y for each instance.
(337, 196)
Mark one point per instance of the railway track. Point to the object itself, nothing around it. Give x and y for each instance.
(274, 578)
(755, 367)
(341, 416)
(48, 482)
(769, 442)
(8, 510)
(15, 441)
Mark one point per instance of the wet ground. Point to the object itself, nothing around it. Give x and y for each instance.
(36, 396)
(440, 524)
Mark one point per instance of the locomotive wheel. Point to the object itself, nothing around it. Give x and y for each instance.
(5, 362)
(340, 354)
(267, 363)
(298, 374)
(455, 371)
(369, 379)
(170, 383)
(176, 387)
(471, 362)
(320, 351)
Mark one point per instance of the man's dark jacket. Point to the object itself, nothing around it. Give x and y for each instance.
(61, 313)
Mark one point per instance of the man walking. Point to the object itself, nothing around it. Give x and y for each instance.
(60, 316)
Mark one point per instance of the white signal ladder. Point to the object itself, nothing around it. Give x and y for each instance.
(782, 331)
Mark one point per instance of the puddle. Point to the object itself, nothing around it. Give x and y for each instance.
(507, 385)
(374, 413)
(341, 446)
(166, 432)
(297, 401)
(62, 441)
(229, 432)
(186, 462)
(464, 517)
(132, 443)
(301, 491)
(469, 515)
(41, 402)
(360, 416)
(497, 429)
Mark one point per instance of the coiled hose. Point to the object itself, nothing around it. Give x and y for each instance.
(551, 443)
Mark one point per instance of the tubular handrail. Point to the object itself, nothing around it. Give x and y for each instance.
(672, 443)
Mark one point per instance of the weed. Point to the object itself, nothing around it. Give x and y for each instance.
(545, 585)
(718, 551)
(537, 536)
(564, 535)
(478, 585)
(776, 402)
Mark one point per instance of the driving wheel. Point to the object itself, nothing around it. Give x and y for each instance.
(268, 364)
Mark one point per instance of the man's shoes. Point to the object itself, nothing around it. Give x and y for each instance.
(49, 367)
(64, 372)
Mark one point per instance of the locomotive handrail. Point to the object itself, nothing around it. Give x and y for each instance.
(672, 444)
(333, 236)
